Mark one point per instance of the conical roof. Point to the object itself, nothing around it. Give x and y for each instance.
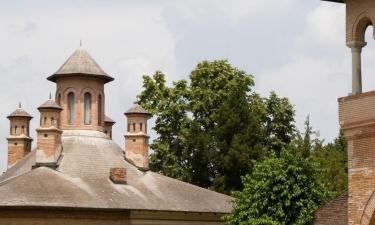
(137, 109)
(50, 104)
(19, 113)
(108, 120)
(80, 63)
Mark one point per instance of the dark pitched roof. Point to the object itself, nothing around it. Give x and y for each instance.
(19, 113)
(82, 64)
(108, 120)
(82, 181)
(333, 212)
(137, 109)
(50, 104)
(339, 1)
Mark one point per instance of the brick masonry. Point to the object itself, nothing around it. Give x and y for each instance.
(358, 18)
(357, 119)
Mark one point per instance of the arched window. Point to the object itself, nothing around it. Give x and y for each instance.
(23, 129)
(45, 120)
(52, 121)
(87, 108)
(100, 110)
(15, 129)
(71, 108)
(128, 126)
(59, 100)
(140, 126)
(10, 132)
(134, 127)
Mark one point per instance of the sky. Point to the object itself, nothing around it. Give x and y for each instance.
(295, 48)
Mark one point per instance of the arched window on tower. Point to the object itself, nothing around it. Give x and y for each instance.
(71, 108)
(15, 129)
(140, 126)
(100, 109)
(87, 108)
(59, 99)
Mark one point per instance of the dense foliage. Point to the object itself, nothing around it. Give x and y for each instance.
(280, 191)
(212, 127)
(215, 131)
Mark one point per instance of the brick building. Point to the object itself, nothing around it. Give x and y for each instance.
(79, 175)
(357, 120)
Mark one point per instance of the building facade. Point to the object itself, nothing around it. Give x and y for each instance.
(357, 120)
(78, 175)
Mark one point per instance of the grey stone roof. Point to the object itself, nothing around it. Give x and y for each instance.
(82, 181)
(108, 120)
(82, 64)
(19, 113)
(50, 104)
(137, 109)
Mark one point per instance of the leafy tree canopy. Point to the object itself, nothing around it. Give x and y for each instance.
(281, 190)
(211, 127)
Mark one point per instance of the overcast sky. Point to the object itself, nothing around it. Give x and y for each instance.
(296, 48)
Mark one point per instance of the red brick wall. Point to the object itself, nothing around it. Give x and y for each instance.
(334, 212)
(357, 119)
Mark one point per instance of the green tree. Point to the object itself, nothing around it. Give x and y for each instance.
(281, 190)
(211, 127)
(332, 158)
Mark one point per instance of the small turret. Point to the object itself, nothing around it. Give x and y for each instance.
(19, 140)
(49, 134)
(108, 124)
(136, 138)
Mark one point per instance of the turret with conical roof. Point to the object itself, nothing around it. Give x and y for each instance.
(19, 140)
(80, 92)
(49, 134)
(136, 138)
(108, 124)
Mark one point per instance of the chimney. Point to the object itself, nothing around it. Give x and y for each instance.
(49, 134)
(136, 138)
(108, 124)
(118, 175)
(19, 140)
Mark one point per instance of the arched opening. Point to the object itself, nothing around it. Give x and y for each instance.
(140, 126)
(59, 100)
(23, 130)
(15, 129)
(87, 108)
(368, 67)
(71, 107)
(45, 121)
(100, 110)
(134, 127)
(10, 131)
(52, 121)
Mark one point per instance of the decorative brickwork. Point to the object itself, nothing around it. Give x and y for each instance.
(357, 119)
(358, 18)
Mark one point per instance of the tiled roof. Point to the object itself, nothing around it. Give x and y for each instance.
(108, 120)
(136, 109)
(19, 113)
(49, 104)
(334, 212)
(82, 181)
(80, 63)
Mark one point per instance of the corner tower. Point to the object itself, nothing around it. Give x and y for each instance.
(357, 120)
(19, 140)
(136, 138)
(80, 92)
(49, 134)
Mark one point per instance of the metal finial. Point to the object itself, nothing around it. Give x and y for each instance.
(80, 43)
(50, 95)
(19, 105)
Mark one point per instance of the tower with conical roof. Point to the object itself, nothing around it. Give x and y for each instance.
(136, 138)
(108, 124)
(49, 134)
(80, 92)
(19, 140)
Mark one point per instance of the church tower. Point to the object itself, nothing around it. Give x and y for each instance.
(136, 138)
(49, 134)
(19, 140)
(357, 119)
(80, 92)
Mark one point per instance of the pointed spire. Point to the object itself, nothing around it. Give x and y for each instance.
(50, 95)
(19, 105)
(80, 43)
